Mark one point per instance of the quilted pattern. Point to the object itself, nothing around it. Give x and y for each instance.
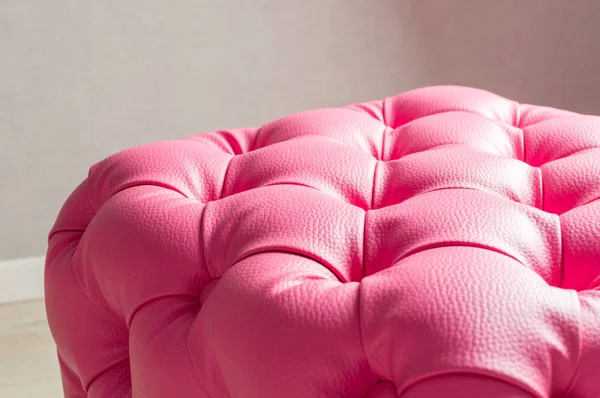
(442, 242)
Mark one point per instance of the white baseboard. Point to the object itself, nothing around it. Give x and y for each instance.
(21, 279)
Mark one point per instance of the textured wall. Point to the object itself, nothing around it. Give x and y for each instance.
(536, 51)
(81, 80)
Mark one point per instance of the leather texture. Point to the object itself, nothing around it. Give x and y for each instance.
(441, 242)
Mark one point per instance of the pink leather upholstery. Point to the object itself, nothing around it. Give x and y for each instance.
(442, 242)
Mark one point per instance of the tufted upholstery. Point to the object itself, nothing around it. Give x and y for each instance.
(442, 242)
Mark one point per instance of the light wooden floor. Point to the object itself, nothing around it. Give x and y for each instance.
(28, 365)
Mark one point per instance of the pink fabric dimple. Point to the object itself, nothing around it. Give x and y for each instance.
(416, 104)
(441, 242)
(343, 173)
(455, 128)
(457, 166)
(559, 137)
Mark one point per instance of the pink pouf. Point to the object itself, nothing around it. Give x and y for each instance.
(444, 242)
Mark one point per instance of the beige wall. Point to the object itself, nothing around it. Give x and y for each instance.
(537, 51)
(80, 80)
